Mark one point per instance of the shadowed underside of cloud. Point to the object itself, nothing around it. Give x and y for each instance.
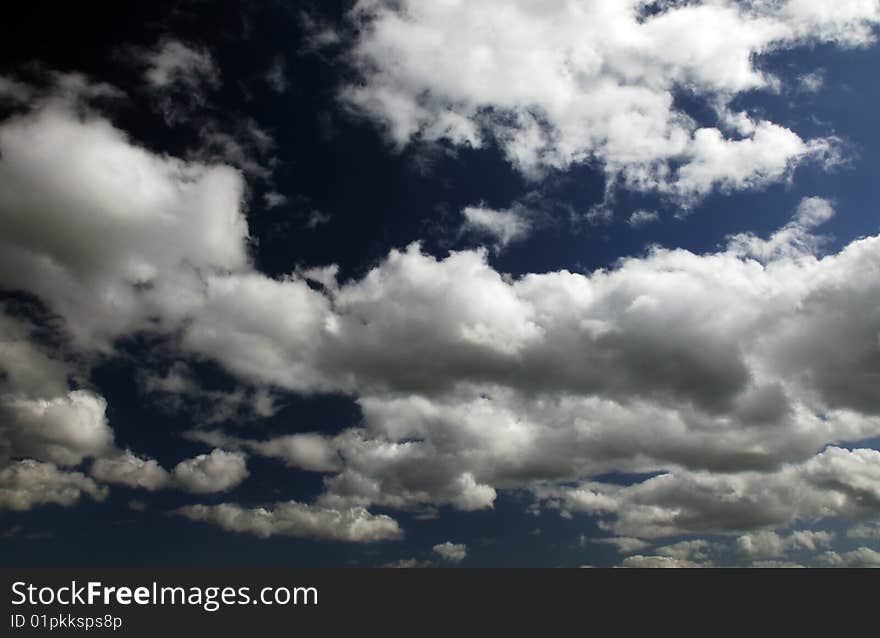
(731, 372)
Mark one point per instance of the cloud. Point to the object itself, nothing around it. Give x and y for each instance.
(624, 544)
(353, 525)
(861, 557)
(131, 470)
(555, 84)
(658, 562)
(40, 417)
(865, 531)
(696, 550)
(775, 564)
(28, 483)
(313, 452)
(218, 471)
(173, 62)
(276, 76)
(834, 483)
(408, 563)
(768, 544)
(724, 375)
(63, 430)
(642, 218)
(811, 82)
(180, 77)
(128, 225)
(178, 390)
(273, 199)
(502, 226)
(452, 552)
(317, 218)
(14, 92)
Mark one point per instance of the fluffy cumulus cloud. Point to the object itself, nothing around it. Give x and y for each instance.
(218, 471)
(63, 430)
(132, 231)
(28, 483)
(558, 83)
(769, 544)
(834, 483)
(355, 524)
(732, 377)
(470, 381)
(452, 552)
(131, 470)
(861, 557)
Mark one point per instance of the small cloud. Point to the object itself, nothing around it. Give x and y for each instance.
(504, 226)
(273, 199)
(276, 76)
(452, 552)
(408, 563)
(624, 544)
(180, 77)
(173, 62)
(642, 218)
(317, 32)
(811, 82)
(317, 218)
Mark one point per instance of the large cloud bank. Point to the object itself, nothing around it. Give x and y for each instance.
(729, 372)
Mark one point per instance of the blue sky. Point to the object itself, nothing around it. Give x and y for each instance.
(376, 283)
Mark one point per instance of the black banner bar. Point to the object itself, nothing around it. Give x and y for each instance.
(221, 602)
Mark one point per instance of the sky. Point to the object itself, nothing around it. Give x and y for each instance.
(520, 283)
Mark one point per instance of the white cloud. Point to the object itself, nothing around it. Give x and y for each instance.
(729, 371)
(642, 218)
(556, 84)
(869, 531)
(354, 525)
(833, 483)
(658, 562)
(503, 226)
(63, 430)
(131, 470)
(811, 82)
(769, 544)
(28, 483)
(172, 62)
(180, 77)
(861, 557)
(132, 231)
(624, 544)
(696, 550)
(308, 451)
(776, 564)
(218, 471)
(452, 552)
